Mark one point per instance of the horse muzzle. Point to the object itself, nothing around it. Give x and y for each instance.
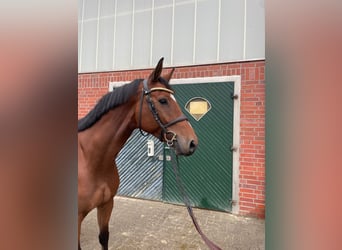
(182, 146)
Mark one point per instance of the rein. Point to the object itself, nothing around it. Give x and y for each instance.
(168, 136)
(186, 200)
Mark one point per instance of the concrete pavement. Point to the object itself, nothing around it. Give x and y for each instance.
(142, 224)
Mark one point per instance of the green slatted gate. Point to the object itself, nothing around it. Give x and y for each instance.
(207, 174)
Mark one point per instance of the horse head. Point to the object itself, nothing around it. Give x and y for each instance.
(159, 114)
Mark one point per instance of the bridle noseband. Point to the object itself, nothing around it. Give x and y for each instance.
(168, 136)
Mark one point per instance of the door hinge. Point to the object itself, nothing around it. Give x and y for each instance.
(235, 97)
(232, 202)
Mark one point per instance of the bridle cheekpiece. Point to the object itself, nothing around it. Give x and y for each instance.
(167, 135)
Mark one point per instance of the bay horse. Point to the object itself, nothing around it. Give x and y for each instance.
(145, 104)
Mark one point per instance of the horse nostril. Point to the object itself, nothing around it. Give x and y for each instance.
(192, 146)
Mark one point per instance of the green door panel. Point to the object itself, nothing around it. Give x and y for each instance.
(207, 174)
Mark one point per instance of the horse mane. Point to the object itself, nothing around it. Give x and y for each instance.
(111, 100)
(107, 102)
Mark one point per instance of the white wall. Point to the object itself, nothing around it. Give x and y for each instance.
(134, 34)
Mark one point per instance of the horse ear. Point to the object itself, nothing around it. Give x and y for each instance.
(168, 76)
(157, 71)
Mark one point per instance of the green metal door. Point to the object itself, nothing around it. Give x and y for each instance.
(207, 175)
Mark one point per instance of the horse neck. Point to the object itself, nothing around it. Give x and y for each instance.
(106, 137)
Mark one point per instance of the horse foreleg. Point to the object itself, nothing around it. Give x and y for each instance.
(103, 216)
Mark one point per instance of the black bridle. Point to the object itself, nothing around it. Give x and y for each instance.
(167, 135)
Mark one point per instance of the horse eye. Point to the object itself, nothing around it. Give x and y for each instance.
(163, 101)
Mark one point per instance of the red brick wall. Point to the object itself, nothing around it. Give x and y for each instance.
(92, 86)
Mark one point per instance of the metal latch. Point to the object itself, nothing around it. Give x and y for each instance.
(161, 157)
(150, 148)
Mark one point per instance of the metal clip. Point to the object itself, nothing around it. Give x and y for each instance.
(169, 137)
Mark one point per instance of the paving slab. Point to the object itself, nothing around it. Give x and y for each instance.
(143, 224)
